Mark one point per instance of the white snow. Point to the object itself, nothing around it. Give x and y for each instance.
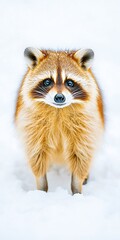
(26, 213)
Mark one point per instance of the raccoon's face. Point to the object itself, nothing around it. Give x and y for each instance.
(58, 78)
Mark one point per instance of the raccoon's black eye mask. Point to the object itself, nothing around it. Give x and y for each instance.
(76, 90)
(73, 87)
(42, 88)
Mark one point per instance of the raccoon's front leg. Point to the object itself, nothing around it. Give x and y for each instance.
(76, 184)
(42, 183)
(38, 165)
(79, 169)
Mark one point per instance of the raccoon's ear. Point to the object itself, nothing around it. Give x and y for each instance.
(33, 56)
(84, 57)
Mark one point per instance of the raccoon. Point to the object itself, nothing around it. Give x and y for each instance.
(59, 113)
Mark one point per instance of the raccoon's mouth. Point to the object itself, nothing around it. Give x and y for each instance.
(59, 104)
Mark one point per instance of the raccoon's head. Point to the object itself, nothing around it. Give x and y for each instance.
(58, 78)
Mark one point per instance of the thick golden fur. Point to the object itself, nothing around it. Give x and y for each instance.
(68, 135)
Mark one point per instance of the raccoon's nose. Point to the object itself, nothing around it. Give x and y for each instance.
(59, 98)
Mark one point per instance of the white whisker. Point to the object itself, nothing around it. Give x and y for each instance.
(39, 92)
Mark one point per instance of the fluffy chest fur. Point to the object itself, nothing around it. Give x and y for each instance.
(59, 132)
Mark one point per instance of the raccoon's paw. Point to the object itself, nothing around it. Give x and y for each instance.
(85, 181)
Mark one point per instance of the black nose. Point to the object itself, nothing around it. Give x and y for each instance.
(59, 98)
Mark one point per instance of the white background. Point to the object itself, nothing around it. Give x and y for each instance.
(26, 213)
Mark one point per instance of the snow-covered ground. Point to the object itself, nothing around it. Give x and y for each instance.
(26, 213)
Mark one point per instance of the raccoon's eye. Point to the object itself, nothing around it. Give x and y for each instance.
(69, 83)
(47, 82)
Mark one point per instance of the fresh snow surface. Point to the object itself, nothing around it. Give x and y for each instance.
(26, 213)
